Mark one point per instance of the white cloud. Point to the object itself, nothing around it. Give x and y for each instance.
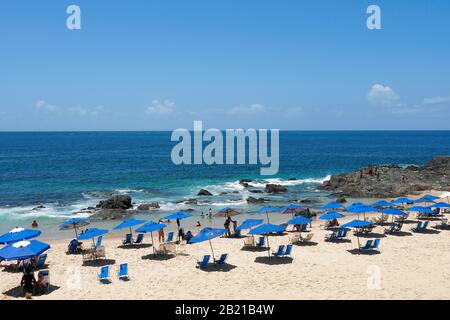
(87, 112)
(248, 110)
(436, 100)
(43, 105)
(382, 95)
(161, 108)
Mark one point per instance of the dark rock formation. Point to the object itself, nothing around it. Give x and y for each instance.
(257, 200)
(391, 180)
(204, 192)
(121, 202)
(191, 201)
(110, 214)
(275, 188)
(242, 181)
(255, 191)
(148, 206)
(341, 200)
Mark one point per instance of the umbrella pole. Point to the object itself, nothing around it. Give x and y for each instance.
(131, 232)
(359, 246)
(153, 245)
(267, 214)
(212, 250)
(76, 233)
(268, 246)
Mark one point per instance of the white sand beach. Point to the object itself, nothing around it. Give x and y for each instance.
(409, 266)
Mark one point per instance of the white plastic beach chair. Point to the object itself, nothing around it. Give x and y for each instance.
(249, 242)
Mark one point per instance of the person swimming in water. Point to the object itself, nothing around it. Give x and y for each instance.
(34, 224)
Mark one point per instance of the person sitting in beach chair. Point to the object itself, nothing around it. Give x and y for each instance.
(43, 282)
(128, 239)
(40, 261)
(74, 247)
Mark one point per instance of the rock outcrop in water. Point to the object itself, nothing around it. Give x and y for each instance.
(275, 188)
(121, 202)
(204, 192)
(391, 180)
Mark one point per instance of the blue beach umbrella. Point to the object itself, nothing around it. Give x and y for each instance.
(299, 220)
(18, 234)
(293, 208)
(249, 223)
(129, 223)
(23, 250)
(74, 223)
(151, 227)
(402, 201)
(207, 234)
(382, 203)
(331, 215)
(441, 205)
(266, 210)
(178, 216)
(333, 205)
(357, 224)
(357, 209)
(393, 212)
(421, 209)
(426, 198)
(266, 230)
(92, 234)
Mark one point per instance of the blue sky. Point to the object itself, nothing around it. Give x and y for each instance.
(160, 64)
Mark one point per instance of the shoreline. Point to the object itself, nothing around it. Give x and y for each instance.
(321, 271)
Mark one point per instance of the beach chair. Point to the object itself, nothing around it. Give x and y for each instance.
(171, 249)
(104, 274)
(41, 261)
(45, 276)
(391, 229)
(222, 259)
(100, 252)
(331, 236)
(73, 247)
(161, 250)
(123, 272)
(375, 245)
(237, 234)
(279, 252)
(303, 227)
(308, 238)
(443, 224)
(261, 242)
(99, 242)
(419, 227)
(288, 251)
(128, 240)
(204, 262)
(139, 238)
(169, 238)
(249, 242)
(367, 246)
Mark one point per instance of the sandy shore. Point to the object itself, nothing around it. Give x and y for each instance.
(410, 266)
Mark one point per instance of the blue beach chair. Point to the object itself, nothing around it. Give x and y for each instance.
(139, 238)
(104, 274)
(128, 239)
(99, 242)
(41, 261)
(368, 245)
(288, 251)
(261, 242)
(279, 252)
(123, 271)
(222, 259)
(375, 245)
(169, 238)
(203, 263)
(73, 247)
(303, 227)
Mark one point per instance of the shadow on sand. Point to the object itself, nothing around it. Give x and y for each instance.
(274, 260)
(17, 292)
(226, 267)
(135, 246)
(99, 263)
(158, 257)
(363, 252)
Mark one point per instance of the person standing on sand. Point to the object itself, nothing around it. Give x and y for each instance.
(227, 226)
(210, 213)
(161, 236)
(28, 282)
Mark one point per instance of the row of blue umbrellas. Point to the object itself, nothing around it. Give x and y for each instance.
(19, 246)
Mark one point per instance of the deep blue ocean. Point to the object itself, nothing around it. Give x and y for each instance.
(68, 171)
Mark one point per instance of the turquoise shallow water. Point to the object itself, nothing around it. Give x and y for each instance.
(68, 171)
